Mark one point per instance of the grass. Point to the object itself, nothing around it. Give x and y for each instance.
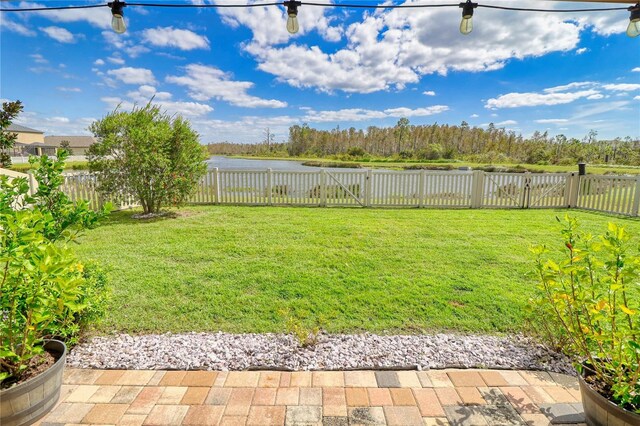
(599, 169)
(69, 165)
(237, 269)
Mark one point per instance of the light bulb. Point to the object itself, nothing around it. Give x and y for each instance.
(117, 23)
(292, 24)
(633, 30)
(466, 26)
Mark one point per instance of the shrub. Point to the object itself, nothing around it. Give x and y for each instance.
(44, 289)
(148, 154)
(589, 306)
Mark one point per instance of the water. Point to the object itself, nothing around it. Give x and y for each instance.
(226, 163)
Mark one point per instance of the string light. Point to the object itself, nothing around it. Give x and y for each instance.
(292, 12)
(118, 25)
(633, 30)
(117, 21)
(466, 26)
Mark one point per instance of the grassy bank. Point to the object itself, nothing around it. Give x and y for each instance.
(69, 165)
(240, 269)
(453, 165)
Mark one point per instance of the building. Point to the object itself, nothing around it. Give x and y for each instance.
(29, 142)
(78, 145)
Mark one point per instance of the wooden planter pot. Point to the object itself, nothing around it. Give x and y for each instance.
(27, 402)
(599, 411)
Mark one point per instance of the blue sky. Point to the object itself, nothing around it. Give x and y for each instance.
(235, 72)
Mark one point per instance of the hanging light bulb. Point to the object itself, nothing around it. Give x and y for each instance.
(292, 12)
(633, 30)
(117, 22)
(466, 26)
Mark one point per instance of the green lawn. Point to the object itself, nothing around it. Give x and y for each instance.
(236, 269)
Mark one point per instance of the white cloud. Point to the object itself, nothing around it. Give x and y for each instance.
(595, 96)
(569, 86)
(173, 37)
(115, 60)
(145, 94)
(69, 89)
(581, 50)
(206, 82)
(359, 114)
(516, 100)
(552, 121)
(98, 17)
(506, 123)
(636, 69)
(55, 125)
(429, 93)
(268, 23)
(130, 75)
(59, 34)
(474, 116)
(6, 24)
(636, 98)
(39, 59)
(622, 87)
(390, 49)
(123, 43)
(98, 62)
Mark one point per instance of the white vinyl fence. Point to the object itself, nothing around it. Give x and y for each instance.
(381, 188)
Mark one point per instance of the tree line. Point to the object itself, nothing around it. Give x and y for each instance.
(442, 142)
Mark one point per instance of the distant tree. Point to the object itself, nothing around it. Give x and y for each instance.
(66, 146)
(10, 111)
(146, 153)
(401, 132)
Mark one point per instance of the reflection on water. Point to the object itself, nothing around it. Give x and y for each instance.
(226, 163)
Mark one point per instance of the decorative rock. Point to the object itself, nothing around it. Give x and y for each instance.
(223, 351)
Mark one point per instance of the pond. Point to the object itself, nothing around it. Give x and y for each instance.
(227, 163)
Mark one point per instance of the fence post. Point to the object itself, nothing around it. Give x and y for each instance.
(33, 184)
(269, 187)
(421, 184)
(477, 189)
(526, 190)
(636, 200)
(323, 188)
(368, 189)
(216, 186)
(573, 190)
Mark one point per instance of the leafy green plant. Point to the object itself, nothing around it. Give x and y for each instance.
(44, 289)
(589, 306)
(9, 111)
(305, 336)
(147, 154)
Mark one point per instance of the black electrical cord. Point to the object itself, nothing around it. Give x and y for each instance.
(336, 5)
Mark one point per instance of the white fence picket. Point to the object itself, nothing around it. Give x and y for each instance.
(611, 194)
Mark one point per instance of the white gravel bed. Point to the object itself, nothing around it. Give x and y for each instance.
(223, 351)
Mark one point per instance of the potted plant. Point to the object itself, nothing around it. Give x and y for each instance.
(589, 307)
(42, 290)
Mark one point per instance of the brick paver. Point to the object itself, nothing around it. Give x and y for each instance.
(431, 398)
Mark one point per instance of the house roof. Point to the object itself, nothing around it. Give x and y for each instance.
(22, 129)
(74, 141)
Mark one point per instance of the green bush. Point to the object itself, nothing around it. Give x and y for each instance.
(44, 290)
(588, 305)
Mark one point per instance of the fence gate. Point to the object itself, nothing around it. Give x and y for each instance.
(548, 190)
(505, 190)
(345, 188)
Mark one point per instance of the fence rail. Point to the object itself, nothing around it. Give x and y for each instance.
(380, 188)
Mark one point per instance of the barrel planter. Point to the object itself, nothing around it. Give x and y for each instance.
(27, 402)
(599, 411)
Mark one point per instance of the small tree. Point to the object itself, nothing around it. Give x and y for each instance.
(10, 110)
(65, 145)
(148, 154)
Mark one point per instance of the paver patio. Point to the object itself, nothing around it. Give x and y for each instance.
(435, 397)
